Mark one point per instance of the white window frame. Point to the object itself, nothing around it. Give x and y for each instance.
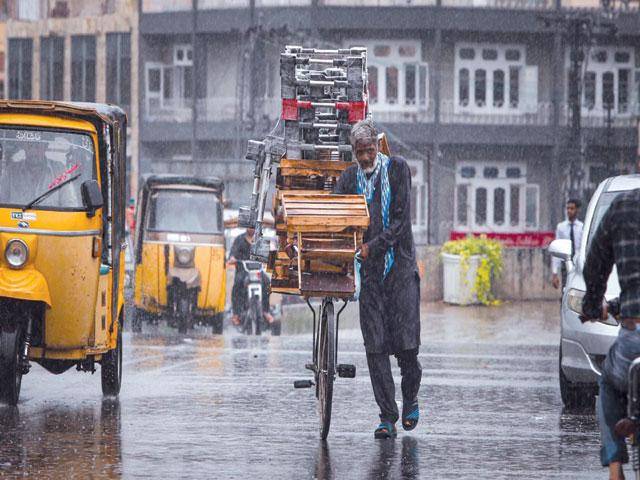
(491, 184)
(527, 82)
(29, 10)
(400, 62)
(178, 101)
(186, 49)
(155, 95)
(421, 200)
(600, 69)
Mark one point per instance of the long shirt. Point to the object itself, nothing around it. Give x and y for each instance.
(389, 307)
(617, 241)
(563, 231)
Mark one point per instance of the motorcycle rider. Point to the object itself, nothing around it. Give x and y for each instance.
(616, 241)
(240, 251)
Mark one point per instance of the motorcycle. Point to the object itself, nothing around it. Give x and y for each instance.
(630, 427)
(252, 318)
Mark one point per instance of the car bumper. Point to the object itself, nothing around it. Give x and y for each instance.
(584, 347)
(577, 365)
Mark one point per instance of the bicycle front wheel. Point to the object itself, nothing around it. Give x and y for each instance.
(326, 366)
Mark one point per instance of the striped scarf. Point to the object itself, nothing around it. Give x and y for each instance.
(367, 186)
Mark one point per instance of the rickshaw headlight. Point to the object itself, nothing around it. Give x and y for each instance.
(16, 253)
(184, 256)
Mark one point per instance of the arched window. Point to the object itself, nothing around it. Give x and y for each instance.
(498, 206)
(481, 206)
(373, 83)
(392, 85)
(463, 87)
(498, 88)
(480, 87)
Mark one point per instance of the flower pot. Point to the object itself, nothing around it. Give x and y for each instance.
(458, 283)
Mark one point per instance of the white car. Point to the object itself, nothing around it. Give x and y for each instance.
(584, 346)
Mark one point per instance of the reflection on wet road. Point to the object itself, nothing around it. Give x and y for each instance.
(202, 406)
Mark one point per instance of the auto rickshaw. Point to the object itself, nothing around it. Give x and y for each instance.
(180, 271)
(62, 230)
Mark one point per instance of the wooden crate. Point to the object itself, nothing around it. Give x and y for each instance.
(326, 231)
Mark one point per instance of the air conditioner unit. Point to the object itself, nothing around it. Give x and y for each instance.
(60, 9)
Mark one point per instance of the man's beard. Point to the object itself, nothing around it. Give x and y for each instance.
(372, 168)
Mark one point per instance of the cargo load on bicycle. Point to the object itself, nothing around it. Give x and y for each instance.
(324, 92)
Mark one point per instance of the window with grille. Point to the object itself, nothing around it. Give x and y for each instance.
(83, 68)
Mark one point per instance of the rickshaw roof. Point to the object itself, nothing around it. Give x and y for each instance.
(92, 112)
(159, 180)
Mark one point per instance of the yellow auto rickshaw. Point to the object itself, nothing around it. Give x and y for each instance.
(62, 201)
(180, 271)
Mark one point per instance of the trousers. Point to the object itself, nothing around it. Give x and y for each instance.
(384, 388)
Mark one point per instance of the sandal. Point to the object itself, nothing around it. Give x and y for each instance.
(410, 415)
(385, 430)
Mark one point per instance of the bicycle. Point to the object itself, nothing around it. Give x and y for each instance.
(325, 355)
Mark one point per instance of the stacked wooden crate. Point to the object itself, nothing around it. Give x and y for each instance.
(324, 94)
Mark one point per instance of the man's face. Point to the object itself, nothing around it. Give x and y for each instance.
(572, 211)
(250, 232)
(366, 152)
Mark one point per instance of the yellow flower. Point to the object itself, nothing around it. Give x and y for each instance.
(490, 265)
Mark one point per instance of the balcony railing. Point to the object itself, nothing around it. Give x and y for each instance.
(402, 114)
(538, 114)
(267, 110)
(216, 109)
(506, 4)
(169, 110)
(376, 3)
(598, 119)
(157, 6)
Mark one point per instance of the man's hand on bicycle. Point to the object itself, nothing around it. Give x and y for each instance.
(363, 253)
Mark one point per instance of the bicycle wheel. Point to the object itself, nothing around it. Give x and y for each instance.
(326, 366)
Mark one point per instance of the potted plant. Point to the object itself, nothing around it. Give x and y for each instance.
(470, 265)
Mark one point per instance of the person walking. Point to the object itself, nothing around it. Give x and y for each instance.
(390, 286)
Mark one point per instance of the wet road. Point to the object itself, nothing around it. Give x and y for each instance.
(202, 406)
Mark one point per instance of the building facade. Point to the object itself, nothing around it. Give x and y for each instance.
(473, 93)
(76, 50)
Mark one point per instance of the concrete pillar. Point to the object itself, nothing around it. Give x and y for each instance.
(35, 68)
(101, 67)
(66, 69)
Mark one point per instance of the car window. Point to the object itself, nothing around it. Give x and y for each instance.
(604, 202)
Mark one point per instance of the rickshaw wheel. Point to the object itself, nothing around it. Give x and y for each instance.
(326, 364)
(111, 371)
(11, 376)
(136, 319)
(184, 315)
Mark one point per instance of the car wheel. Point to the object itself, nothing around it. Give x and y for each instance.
(575, 396)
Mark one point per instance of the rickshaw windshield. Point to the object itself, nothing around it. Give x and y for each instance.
(35, 161)
(181, 211)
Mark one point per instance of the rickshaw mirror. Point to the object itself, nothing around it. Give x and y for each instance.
(91, 197)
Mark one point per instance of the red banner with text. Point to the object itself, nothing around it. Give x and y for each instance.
(525, 240)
